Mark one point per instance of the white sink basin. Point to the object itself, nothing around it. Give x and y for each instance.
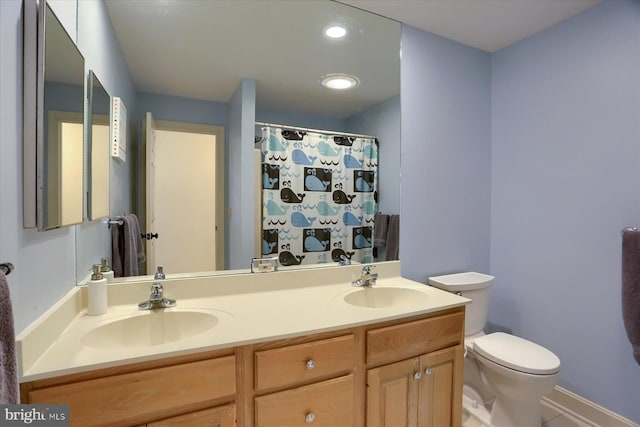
(386, 297)
(150, 328)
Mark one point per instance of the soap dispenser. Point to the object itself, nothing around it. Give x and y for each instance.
(106, 270)
(97, 293)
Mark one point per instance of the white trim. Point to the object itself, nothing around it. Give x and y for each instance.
(583, 408)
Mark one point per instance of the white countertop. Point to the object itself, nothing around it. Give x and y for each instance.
(249, 307)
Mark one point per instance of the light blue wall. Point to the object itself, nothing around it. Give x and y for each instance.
(179, 109)
(383, 121)
(98, 44)
(566, 180)
(46, 261)
(298, 119)
(241, 172)
(446, 156)
(558, 178)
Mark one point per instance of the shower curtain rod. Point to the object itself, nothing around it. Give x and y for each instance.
(326, 132)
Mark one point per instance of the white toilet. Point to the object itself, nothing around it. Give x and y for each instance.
(505, 377)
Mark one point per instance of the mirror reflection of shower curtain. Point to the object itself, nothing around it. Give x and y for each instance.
(319, 196)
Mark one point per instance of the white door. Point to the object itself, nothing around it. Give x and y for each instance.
(181, 202)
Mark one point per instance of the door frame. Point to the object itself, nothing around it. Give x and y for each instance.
(218, 132)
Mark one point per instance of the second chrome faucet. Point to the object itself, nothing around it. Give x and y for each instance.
(367, 278)
(156, 295)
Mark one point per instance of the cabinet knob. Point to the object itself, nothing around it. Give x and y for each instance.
(427, 371)
(311, 364)
(417, 376)
(310, 418)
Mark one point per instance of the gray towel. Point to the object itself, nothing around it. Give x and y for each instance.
(127, 250)
(631, 288)
(393, 238)
(9, 390)
(380, 226)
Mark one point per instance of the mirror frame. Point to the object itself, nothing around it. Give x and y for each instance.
(34, 203)
(29, 105)
(91, 114)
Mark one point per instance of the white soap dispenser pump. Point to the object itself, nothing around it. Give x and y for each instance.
(97, 293)
(106, 270)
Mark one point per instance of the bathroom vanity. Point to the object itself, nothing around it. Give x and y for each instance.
(385, 358)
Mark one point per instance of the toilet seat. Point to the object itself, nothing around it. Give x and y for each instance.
(517, 353)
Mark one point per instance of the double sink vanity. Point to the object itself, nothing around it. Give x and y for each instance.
(290, 348)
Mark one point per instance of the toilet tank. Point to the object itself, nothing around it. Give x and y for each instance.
(472, 285)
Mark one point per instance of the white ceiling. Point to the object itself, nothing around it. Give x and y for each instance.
(203, 48)
(489, 25)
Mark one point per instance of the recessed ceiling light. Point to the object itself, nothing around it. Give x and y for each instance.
(335, 32)
(340, 81)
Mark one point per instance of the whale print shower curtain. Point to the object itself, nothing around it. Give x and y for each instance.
(319, 196)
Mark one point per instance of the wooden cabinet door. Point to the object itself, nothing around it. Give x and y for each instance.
(440, 395)
(224, 416)
(392, 394)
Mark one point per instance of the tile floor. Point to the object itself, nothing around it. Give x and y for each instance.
(552, 416)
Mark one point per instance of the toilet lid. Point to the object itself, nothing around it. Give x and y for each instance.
(517, 353)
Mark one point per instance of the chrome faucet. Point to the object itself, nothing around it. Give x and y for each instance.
(159, 273)
(367, 278)
(156, 296)
(344, 260)
(157, 299)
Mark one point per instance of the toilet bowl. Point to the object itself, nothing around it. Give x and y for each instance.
(505, 377)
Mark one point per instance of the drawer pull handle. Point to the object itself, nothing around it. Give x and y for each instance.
(310, 418)
(427, 371)
(311, 364)
(417, 376)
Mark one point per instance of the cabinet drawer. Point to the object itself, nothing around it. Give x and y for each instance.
(409, 339)
(137, 397)
(224, 416)
(301, 363)
(324, 404)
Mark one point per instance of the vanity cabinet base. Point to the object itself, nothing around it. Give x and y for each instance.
(401, 372)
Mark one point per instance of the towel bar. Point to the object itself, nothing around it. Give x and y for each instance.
(6, 268)
(111, 222)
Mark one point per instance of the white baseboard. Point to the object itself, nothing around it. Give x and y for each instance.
(584, 408)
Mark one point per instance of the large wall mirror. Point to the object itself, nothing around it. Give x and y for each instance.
(59, 124)
(188, 57)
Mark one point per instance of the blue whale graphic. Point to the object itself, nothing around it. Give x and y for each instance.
(313, 183)
(268, 182)
(299, 158)
(351, 162)
(327, 150)
(299, 220)
(362, 185)
(274, 209)
(350, 219)
(369, 208)
(275, 144)
(311, 243)
(370, 151)
(267, 247)
(325, 209)
(361, 242)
